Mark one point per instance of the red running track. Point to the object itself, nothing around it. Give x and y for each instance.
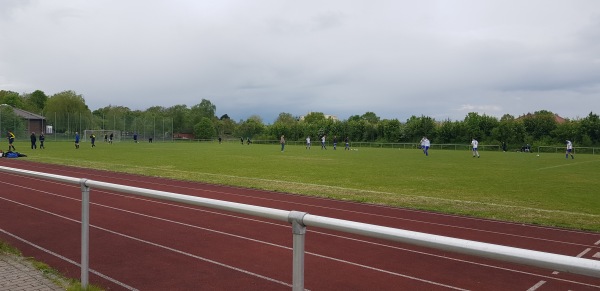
(144, 244)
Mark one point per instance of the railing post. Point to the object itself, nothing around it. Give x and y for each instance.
(299, 231)
(85, 233)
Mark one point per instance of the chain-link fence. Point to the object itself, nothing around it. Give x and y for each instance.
(9, 121)
(63, 126)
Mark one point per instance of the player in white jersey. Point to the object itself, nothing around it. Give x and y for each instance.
(425, 144)
(474, 144)
(569, 150)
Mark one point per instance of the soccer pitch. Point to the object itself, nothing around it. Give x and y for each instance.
(519, 187)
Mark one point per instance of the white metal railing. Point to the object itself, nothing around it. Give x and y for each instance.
(562, 149)
(300, 220)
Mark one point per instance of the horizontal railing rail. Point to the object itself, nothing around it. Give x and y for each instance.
(301, 220)
(562, 149)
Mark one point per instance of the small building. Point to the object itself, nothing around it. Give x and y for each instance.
(557, 118)
(34, 122)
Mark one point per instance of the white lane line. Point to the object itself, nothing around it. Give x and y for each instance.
(596, 255)
(225, 265)
(536, 286)
(598, 242)
(376, 215)
(584, 252)
(371, 214)
(332, 235)
(463, 261)
(326, 234)
(67, 260)
(368, 267)
(579, 256)
(153, 244)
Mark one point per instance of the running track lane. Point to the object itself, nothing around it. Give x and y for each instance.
(138, 243)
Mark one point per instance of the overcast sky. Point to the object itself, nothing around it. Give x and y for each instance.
(396, 58)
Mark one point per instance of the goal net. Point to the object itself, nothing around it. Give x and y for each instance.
(102, 135)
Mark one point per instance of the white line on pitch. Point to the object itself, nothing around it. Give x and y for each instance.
(565, 165)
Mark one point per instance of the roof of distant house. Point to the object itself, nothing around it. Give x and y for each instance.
(26, 114)
(557, 118)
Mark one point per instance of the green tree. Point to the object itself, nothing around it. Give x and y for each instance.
(204, 109)
(510, 131)
(285, 118)
(570, 130)
(355, 129)
(113, 117)
(251, 127)
(417, 127)
(337, 128)
(204, 129)
(539, 124)
(480, 126)
(370, 117)
(180, 115)
(451, 132)
(287, 125)
(590, 126)
(10, 121)
(308, 129)
(278, 129)
(370, 133)
(225, 126)
(11, 98)
(36, 101)
(389, 130)
(314, 117)
(354, 118)
(68, 112)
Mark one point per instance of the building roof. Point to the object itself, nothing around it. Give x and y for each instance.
(557, 118)
(26, 114)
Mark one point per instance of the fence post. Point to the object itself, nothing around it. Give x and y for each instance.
(299, 231)
(85, 233)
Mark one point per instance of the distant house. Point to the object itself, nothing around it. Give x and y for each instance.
(35, 123)
(557, 118)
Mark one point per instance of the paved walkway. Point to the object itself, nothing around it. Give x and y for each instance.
(16, 274)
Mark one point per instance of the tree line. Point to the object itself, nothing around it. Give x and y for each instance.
(67, 112)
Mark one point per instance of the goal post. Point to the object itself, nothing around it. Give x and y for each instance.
(100, 134)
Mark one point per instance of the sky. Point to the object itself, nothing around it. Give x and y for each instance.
(397, 58)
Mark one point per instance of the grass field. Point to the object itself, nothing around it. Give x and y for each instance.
(520, 187)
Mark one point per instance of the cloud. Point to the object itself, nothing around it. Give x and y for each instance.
(394, 58)
(478, 108)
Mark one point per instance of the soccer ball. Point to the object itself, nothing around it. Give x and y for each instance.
(538, 155)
